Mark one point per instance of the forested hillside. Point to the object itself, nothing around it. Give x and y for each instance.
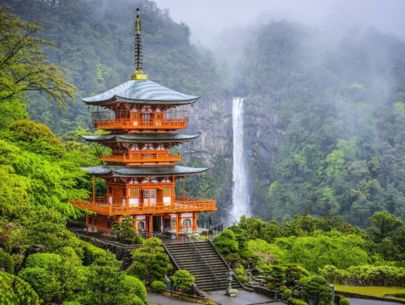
(324, 112)
(328, 114)
(94, 41)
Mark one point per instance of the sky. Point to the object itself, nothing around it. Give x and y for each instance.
(208, 18)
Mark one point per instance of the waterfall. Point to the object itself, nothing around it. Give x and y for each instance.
(240, 191)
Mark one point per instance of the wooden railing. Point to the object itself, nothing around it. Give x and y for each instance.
(149, 156)
(180, 205)
(129, 124)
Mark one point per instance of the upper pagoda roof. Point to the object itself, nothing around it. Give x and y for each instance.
(143, 171)
(141, 91)
(141, 138)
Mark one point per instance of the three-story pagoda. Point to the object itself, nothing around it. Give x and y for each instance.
(141, 173)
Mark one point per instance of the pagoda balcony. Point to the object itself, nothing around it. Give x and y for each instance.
(142, 157)
(129, 124)
(180, 205)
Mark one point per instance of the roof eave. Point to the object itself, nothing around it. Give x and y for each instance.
(116, 98)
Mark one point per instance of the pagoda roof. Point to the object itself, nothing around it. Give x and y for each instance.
(141, 138)
(143, 171)
(141, 92)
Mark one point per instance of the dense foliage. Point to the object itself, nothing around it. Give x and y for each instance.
(41, 260)
(150, 261)
(300, 257)
(95, 42)
(182, 281)
(330, 112)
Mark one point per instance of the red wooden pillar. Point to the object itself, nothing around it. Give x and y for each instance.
(150, 226)
(178, 219)
(195, 225)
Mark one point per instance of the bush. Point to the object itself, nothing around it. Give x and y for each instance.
(226, 242)
(287, 294)
(15, 291)
(44, 260)
(343, 300)
(158, 286)
(315, 287)
(45, 284)
(6, 262)
(182, 281)
(399, 295)
(133, 285)
(366, 275)
(150, 262)
(240, 274)
(294, 301)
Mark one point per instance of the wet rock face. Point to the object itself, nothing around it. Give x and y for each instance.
(211, 117)
(262, 136)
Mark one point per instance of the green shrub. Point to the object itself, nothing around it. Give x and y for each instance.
(399, 295)
(287, 294)
(135, 286)
(315, 287)
(366, 275)
(182, 280)
(71, 303)
(343, 300)
(294, 301)
(150, 262)
(226, 242)
(240, 274)
(158, 286)
(6, 262)
(45, 283)
(15, 291)
(48, 261)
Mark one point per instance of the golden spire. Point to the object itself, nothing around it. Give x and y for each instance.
(138, 50)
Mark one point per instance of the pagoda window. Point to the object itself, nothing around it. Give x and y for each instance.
(133, 196)
(187, 222)
(135, 116)
(149, 197)
(167, 192)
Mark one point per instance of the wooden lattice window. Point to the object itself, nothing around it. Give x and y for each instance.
(134, 192)
(167, 190)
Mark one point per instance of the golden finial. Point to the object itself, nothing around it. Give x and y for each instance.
(138, 50)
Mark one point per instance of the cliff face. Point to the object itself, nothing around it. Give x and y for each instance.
(212, 118)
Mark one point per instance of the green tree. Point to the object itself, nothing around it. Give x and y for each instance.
(150, 262)
(125, 231)
(23, 65)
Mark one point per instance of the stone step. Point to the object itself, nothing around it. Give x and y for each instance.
(187, 257)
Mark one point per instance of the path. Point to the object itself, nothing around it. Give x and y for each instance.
(354, 301)
(244, 298)
(159, 299)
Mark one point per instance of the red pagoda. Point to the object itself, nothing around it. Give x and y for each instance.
(141, 173)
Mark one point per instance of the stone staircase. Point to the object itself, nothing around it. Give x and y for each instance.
(202, 260)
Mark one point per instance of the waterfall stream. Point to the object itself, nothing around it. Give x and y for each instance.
(240, 191)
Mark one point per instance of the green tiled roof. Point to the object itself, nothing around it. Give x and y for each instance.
(146, 171)
(141, 138)
(141, 91)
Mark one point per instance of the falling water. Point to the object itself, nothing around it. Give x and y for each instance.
(240, 192)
